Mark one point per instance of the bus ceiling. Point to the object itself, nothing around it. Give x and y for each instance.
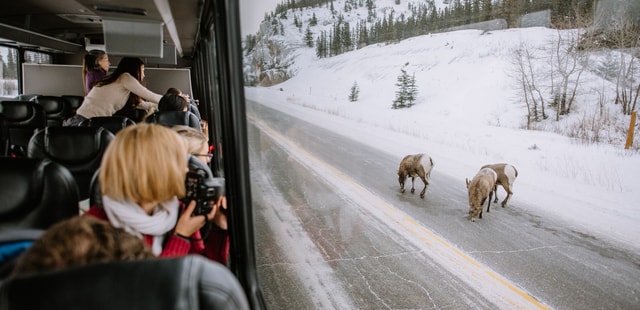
(66, 26)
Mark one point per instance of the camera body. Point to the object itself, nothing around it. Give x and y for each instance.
(202, 188)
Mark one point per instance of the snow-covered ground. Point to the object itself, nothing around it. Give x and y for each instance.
(467, 115)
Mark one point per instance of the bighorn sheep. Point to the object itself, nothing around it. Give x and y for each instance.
(507, 174)
(418, 165)
(480, 187)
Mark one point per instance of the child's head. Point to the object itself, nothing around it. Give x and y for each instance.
(80, 240)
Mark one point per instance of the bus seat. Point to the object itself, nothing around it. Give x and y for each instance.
(193, 108)
(136, 115)
(21, 120)
(111, 123)
(188, 282)
(74, 102)
(4, 136)
(36, 193)
(172, 118)
(56, 108)
(79, 149)
(95, 194)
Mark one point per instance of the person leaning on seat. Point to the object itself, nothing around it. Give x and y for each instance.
(113, 92)
(141, 177)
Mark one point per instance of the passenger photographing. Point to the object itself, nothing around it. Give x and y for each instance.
(141, 177)
(113, 92)
(217, 241)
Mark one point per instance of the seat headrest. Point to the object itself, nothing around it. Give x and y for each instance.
(51, 104)
(73, 100)
(23, 113)
(189, 282)
(70, 145)
(35, 193)
(172, 118)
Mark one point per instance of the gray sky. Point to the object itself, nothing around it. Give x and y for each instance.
(252, 12)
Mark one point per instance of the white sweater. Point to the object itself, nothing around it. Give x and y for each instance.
(107, 99)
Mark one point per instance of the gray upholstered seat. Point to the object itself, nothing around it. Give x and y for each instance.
(190, 282)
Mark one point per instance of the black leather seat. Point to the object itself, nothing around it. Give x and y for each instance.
(4, 136)
(189, 282)
(112, 123)
(35, 193)
(79, 149)
(137, 115)
(21, 120)
(56, 109)
(172, 118)
(74, 102)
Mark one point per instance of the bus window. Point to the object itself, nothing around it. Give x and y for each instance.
(34, 57)
(9, 71)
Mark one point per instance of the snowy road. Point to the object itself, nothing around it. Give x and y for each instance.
(334, 232)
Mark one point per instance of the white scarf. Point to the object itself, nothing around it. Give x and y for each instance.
(134, 220)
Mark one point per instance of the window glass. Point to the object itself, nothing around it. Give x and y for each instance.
(8, 71)
(37, 58)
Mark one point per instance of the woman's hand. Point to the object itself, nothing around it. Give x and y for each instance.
(220, 218)
(188, 224)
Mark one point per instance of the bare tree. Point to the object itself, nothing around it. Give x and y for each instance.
(524, 72)
(626, 40)
(568, 62)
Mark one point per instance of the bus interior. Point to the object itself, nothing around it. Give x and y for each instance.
(305, 133)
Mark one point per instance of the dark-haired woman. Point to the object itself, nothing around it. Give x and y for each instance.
(95, 66)
(112, 93)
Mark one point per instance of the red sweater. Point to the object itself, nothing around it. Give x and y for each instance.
(175, 246)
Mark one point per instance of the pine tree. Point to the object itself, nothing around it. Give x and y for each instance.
(407, 91)
(355, 91)
(314, 20)
(412, 91)
(308, 37)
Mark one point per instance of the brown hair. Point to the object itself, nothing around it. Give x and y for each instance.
(81, 240)
(171, 102)
(144, 163)
(173, 91)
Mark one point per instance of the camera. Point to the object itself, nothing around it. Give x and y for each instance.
(202, 188)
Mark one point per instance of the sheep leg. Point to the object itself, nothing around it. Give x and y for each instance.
(412, 181)
(506, 199)
(495, 190)
(489, 205)
(426, 184)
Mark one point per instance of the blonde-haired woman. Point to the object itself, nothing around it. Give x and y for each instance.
(197, 142)
(142, 174)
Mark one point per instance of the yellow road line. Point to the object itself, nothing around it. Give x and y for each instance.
(502, 291)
